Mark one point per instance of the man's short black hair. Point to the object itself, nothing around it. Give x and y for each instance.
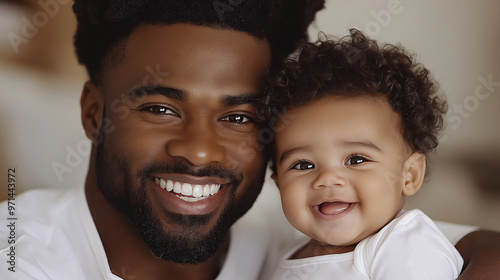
(104, 25)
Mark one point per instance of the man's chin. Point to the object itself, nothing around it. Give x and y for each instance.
(185, 239)
(190, 247)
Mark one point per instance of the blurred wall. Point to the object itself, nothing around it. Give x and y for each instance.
(41, 83)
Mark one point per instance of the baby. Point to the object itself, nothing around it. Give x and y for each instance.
(363, 118)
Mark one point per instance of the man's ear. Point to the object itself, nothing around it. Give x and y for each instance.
(414, 173)
(92, 105)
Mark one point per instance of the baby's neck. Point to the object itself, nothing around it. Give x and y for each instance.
(313, 248)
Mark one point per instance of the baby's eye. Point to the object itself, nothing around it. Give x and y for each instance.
(356, 159)
(303, 165)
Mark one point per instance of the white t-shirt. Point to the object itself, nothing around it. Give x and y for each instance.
(56, 239)
(409, 247)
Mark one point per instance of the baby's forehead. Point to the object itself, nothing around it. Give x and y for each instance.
(357, 100)
(354, 115)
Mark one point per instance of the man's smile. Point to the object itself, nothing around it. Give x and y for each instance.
(189, 195)
(186, 191)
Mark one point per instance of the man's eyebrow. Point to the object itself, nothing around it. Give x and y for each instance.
(289, 152)
(149, 90)
(242, 99)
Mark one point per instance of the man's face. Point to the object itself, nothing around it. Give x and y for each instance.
(179, 153)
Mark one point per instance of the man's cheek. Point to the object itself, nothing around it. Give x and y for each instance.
(249, 151)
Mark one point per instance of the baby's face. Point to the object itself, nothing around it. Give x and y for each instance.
(340, 167)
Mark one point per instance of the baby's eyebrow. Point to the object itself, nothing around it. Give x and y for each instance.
(367, 144)
(289, 152)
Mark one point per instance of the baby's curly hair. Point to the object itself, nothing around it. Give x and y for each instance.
(104, 25)
(357, 65)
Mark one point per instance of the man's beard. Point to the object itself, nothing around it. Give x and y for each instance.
(190, 245)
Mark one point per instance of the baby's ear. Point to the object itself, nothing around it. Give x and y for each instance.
(414, 173)
(275, 178)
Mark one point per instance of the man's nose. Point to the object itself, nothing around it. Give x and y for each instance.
(330, 177)
(198, 143)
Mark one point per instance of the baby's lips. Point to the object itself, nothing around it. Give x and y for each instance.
(333, 208)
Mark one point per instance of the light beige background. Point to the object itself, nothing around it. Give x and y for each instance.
(456, 39)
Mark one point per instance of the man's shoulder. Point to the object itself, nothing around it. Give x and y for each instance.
(53, 194)
(419, 220)
(41, 195)
(53, 236)
(42, 204)
(44, 216)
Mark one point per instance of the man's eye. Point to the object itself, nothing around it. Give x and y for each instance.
(159, 110)
(303, 165)
(355, 159)
(237, 118)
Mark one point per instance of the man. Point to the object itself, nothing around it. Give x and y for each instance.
(176, 160)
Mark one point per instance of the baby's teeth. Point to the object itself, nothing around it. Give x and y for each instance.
(162, 184)
(170, 185)
(198, 191)
(177, 187)
(187, 189)
(206, 190)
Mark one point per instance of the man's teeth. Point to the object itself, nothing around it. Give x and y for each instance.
(189, 192)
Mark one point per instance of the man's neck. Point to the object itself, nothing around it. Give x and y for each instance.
(128, 256)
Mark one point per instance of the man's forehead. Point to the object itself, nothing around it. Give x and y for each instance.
(195, 35)
(197, 58)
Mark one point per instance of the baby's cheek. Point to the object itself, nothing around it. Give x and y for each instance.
(292, 207)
